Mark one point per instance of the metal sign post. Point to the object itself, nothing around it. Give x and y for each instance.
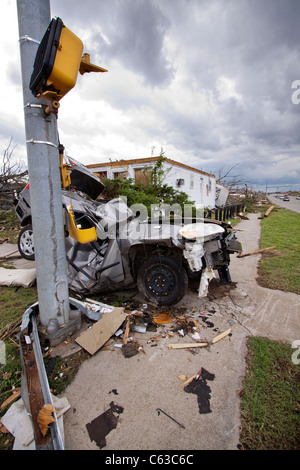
(44, 176)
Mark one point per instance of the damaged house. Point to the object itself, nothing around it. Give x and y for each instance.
(198, 185)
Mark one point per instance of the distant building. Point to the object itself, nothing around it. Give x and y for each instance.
(198, 185)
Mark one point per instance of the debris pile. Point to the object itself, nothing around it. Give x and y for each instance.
(131, 331)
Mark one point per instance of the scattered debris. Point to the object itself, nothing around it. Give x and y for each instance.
(162, 318)
(184, 325)
(159, 410)
(103, 424)
(182, 377)
(140, 326)
(208, 323)
(242, 255)
(129, 350)
(198, 385)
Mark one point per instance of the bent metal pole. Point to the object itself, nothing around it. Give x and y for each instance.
(44, 176)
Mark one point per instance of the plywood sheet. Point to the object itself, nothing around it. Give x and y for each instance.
(92, 340)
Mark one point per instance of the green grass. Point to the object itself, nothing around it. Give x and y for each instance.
(10, 225)
(13, 303)
(280, 268)
(271, 397)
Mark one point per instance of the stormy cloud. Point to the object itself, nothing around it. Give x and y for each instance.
(209, 81)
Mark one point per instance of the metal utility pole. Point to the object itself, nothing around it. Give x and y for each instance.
(44, 174)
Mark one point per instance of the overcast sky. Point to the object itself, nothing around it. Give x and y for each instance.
(208, 81)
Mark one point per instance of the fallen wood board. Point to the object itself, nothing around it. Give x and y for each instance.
(242, 255)
(199, 345)
(190, 379)
(268, 211)
(92, 340)
(221, 336)
(127, 329)
(187, 345)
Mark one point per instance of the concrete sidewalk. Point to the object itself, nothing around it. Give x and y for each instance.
(149, 380)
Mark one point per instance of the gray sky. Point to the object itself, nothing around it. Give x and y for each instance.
(209, 81)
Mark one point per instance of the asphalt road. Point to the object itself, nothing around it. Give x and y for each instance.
(293, 204)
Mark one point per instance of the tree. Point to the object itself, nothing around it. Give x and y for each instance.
(232, 181)
(12, 177)
(153, 193)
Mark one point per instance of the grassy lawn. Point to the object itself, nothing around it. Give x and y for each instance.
(270, 405)
(280, 268)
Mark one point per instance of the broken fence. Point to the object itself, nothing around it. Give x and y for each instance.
(224, 213)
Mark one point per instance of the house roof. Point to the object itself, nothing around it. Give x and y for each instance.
(123, 163)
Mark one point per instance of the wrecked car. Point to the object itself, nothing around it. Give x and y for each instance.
(110, 246)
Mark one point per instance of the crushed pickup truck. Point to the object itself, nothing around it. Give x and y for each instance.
(110, 247)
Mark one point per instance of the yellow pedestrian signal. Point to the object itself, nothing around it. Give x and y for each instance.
(58, 61)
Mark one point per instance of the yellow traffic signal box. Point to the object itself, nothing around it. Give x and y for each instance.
(57, 62)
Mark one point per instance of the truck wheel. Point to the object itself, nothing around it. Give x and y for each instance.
(25, 243)
(162, 281)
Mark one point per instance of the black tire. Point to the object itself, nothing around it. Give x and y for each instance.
(162, 281)
(25, 243)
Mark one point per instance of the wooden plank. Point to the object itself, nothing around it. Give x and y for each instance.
(221, 336)
(269, 211)
(127, 329)
(187, 345)
(199, 345)
(242, 255)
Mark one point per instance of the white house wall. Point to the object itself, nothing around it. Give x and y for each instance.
(200, 187)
